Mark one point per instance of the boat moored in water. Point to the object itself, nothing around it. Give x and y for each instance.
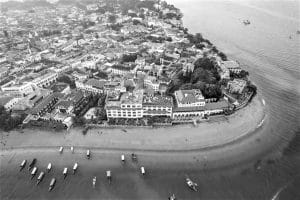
(23, 164)
(134, 157)
(108, 175)
(40, 177)
(31, 165)
(143, 170)
(123, 158)
(65, 172)
(75, 168)
(49, 167)
(191, 184)
(72, 149)
(94, 181)
(88, 154)
(172, 197)
(33, 172)
(52, 184)
(61, 149)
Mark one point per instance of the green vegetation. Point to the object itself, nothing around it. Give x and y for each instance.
(204, 77)
(8, 121)
(68, 80)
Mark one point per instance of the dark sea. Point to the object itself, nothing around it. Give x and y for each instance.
(269, 49)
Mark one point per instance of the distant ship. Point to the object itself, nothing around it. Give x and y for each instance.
(246, 22)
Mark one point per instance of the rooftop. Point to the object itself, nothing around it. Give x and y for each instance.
(189, 96)
(159, 100)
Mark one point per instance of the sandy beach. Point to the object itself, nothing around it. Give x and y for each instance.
(216, 132)
(219, 142)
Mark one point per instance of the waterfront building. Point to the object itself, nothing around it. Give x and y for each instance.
(232, 66)
(9, 102)
(189, 98)
(236, 86)
(46, 105)
(18, 89)
(129, 105)
(157, 105)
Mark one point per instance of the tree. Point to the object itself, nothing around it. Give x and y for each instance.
(112, 19)
(66, 79)
(222, 56)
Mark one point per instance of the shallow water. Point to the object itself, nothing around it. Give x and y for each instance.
(265, 50)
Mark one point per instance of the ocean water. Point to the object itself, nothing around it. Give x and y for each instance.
(269, 49)
(272, 58)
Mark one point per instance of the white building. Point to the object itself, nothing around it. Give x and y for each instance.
(18, 89)
(91, 85)
(9, 102)
(130, 105)
(189, 98)
(46, 79)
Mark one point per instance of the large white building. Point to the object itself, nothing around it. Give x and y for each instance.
(18, 89)
(46, 79)
(93, 86)
(130, 105)
(189, 98)
(157, 105)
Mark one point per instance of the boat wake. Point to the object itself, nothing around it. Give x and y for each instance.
(261, 123)
(276, 196)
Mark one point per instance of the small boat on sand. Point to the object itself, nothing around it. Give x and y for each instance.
(49, 167)
(94, 181)
(33, 172)
(75, 168)
(192, 185)
(31, 165)
(23, 164)
(40, 177)
(52, 184)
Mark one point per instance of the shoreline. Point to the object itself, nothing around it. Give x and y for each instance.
(134, 140)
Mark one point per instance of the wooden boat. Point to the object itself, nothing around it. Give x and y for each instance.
(94, 181)
(65, 172)
(143, 170)
(52, 184)
(61, 149)
(31, 165)
(133, 157)
(172, 197)
(108, 175)
(75, 168)
(191, 184)
(40, 177)
(88, 154)
(23, 164)
(49, 167)
(33, 172)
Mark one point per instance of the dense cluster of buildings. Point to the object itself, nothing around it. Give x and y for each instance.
(55, 59)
